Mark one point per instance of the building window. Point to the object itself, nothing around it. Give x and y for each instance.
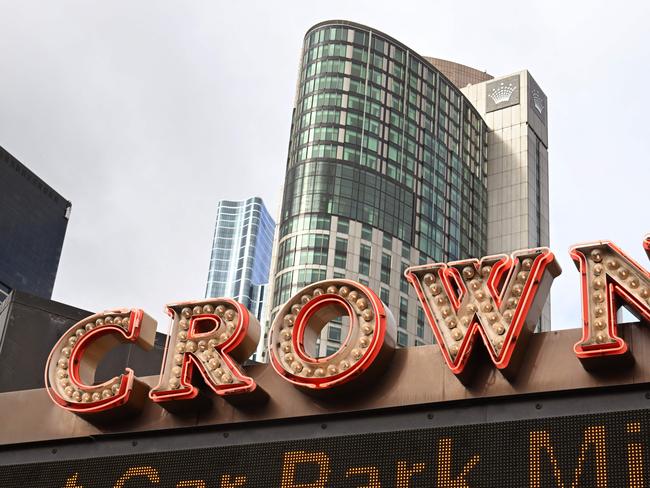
(403, 283)
(387, 242)
(334, 334)
(364, 260)
(366, 232)
(340, 253)
(343, 226)
(330, 350)
(385, 268)
(402, 338)
(384, 294)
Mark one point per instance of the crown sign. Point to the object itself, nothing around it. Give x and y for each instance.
(502, 93)
(538, 101)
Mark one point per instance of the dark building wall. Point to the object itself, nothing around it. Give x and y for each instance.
(29, 328)
(33, 221)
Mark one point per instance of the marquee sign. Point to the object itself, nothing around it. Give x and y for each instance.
(497, 299)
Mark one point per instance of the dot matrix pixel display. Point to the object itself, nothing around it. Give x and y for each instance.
(592, 451)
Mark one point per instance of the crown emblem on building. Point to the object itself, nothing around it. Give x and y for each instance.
(502, 93)
(538, 101)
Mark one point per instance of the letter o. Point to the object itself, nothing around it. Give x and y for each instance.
(366, 350)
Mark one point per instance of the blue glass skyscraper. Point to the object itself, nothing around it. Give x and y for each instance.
(241, 252)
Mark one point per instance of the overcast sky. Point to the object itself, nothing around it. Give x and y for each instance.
(145, 113)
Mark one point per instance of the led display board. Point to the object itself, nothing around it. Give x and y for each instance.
(595, 451)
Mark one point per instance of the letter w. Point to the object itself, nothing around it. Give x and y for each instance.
(499, 297)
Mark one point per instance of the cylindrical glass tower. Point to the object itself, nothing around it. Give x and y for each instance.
(386, 168)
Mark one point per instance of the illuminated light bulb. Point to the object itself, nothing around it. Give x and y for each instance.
(598, 297)
(107, 394)
(611, 264)
(186, 312)
(203, 345)
(362, 303)
(600, 338)
(356, 354)
(487, 307)
(331, 369)
(527, 264)
(599, 324)
(367, 315)
(223, 337)
(499, 329)
(498, 343)
(115, 388)
(440, 300)
(634, 283)
(96, 396)
(220, 310)
(180, 347)
(317, 292)
(435, 289)
(99, 322)
(289, 358)
(480, 295)
(176, 370)
(475, 284)
(289, 320)
(286, 347)
(218, 372)
(508, 314)
(178, 359)
(62, 363)
(63, 382)
(108, 320)
(353, 296)
(445, 311)
(214, 363)
(344, 365)
(208, 308)
(86, 397)
(645, 293)
(89, 326)
(364, 342)
(453, 349)
(465, 321)
(624, 273)
(285, 335)
(485, 271)
(198, 310)
(522, 276)
(319, 372)
(72, 340)
(517, 289)
(213, 343)
(183, 324)
(596, 256)
(182, 335)
(598, 311)
(226, 378)
(512, 302)
(457, 334)
(230, 314)
(343, 291)
(174, 383)
(76, 396)
(117, 321)
(296, 367)
(429, 279)
(367, 329)
(61, 373)
(492, 317)
(295, 308)
(468, 272)
(599, 283)
(452, 324)
(305, 299)
(472, 308)
(332, 290)
(598, 269)
(307, 372)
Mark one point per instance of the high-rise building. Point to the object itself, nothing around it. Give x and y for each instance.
(33, 222)
(241, 253)
(389, 165)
